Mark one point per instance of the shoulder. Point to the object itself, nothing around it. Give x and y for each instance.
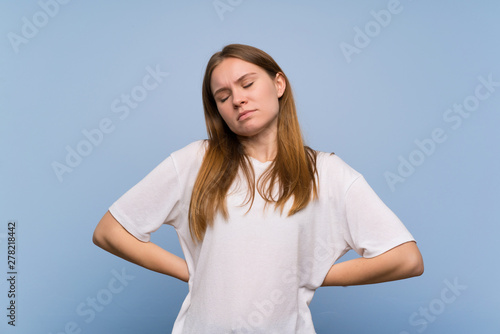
(332, 163)
(334, 171)
(192, 150)
(190, 156)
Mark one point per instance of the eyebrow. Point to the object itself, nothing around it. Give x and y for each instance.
(243, 77)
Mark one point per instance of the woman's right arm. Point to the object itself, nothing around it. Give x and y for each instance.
(112, 237)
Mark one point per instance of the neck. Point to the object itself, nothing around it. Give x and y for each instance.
(263, 148)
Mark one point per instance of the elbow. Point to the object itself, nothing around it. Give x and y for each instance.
(107, 233)
(97, 239)
(417, 268)
(102, 231)
(415, 264)
(409, 261)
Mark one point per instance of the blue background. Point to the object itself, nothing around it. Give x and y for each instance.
(369, 106)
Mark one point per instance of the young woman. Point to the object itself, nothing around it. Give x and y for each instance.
(261, 218)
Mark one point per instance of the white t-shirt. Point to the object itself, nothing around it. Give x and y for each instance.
(257, 273)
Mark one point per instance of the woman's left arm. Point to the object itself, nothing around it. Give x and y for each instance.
(403, 261)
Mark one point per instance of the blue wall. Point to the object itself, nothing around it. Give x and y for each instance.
(406, 92)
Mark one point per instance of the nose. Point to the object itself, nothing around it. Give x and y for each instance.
(239, 98)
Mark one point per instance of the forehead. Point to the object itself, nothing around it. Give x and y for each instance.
(230, 70)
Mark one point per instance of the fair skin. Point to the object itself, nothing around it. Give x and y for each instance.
(112, 237)
(240, 87)
(403, 261)
(247, 99)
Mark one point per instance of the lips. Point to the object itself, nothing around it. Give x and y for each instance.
(245, 114)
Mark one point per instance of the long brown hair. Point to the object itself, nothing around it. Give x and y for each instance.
(293, 170)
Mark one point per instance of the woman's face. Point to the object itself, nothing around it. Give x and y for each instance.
(247, 97)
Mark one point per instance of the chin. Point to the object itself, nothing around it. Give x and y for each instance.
(245, 132)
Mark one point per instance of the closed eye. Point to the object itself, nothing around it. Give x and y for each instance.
(222, 96)
(224, 99)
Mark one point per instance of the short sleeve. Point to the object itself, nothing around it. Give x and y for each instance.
(373, 227)
(150, 203)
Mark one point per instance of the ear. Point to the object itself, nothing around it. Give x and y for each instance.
(280, 84)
